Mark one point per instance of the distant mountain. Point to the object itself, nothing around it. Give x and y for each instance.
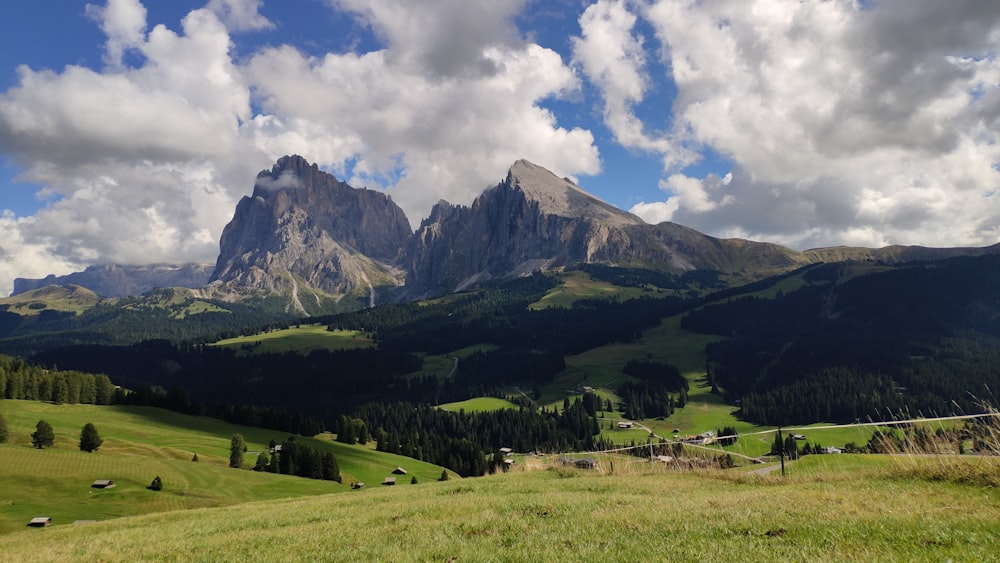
(114, 280)
(323, 246)
(534, 220)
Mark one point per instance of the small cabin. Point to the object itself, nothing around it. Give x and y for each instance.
(399, 471)
(389, 481)
(357, 485)
(103, 484)
(625, 424)
(506, 451)
(40, 522)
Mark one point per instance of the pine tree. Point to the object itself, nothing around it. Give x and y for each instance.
(413, 480)
(43, 435)
(157, 484)
(262, 461)
(330, 467)
(444, 475)
(194, 457)
(90, 440)
(3, 429)
(237, 447)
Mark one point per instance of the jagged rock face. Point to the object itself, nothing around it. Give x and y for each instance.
(303, 225)
(114, 280)
(531, 221)
(534, 220)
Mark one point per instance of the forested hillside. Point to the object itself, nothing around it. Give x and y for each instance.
(922, 339)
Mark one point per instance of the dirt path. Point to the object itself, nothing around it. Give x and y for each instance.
(765, 470)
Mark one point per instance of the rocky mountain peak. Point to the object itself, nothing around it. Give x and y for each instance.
(304, 228)
(561, 197)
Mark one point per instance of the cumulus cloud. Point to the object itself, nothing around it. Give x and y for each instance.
(846, 123)
(443, 38)
(149, 155)
(240, 15)
(611, 55)
(147, 161)
(406, 127)
(124, 24)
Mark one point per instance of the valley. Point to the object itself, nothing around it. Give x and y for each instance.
(581, 378)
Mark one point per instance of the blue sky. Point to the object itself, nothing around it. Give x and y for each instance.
(129, 129)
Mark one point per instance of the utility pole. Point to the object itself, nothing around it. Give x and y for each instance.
(781, 451)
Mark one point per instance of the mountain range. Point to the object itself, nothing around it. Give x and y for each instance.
(304, 234)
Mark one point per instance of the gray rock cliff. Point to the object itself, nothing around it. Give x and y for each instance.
(303, 227)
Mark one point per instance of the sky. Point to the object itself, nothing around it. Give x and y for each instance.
(129, 130)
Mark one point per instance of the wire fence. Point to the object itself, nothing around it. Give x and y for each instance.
(646, 452)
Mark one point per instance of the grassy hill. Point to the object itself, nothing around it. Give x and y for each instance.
(141, 443)
(830, 508)
(70, 298)
(300, 338)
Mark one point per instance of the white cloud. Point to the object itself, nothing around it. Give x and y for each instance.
(443, 38)
(148, 162)
(150, 155)
(240, 15)
(612, 57)
(845, 123)
(20, 258)
(124, 24)
(406, 127)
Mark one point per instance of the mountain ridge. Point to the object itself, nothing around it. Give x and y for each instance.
(305, 234)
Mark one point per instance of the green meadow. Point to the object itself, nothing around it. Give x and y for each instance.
(830, 508)
(141, 443)
(302, 339)
(479, 404)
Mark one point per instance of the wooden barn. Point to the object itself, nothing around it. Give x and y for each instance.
(399, 471)
(389, 481)
(40, 522)
(103, 484)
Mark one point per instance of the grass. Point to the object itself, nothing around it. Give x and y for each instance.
(440, 366)
(480, 404)
(847, 509)
(578, 285)
(140, 443)
(302, 339)
(69, 298)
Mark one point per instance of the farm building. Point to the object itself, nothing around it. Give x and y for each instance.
(399, 471)
(357, 485)
(832, 450)
(389, 481)
(103, 484)
(506, 451)
(625, 424)
(40, 521)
